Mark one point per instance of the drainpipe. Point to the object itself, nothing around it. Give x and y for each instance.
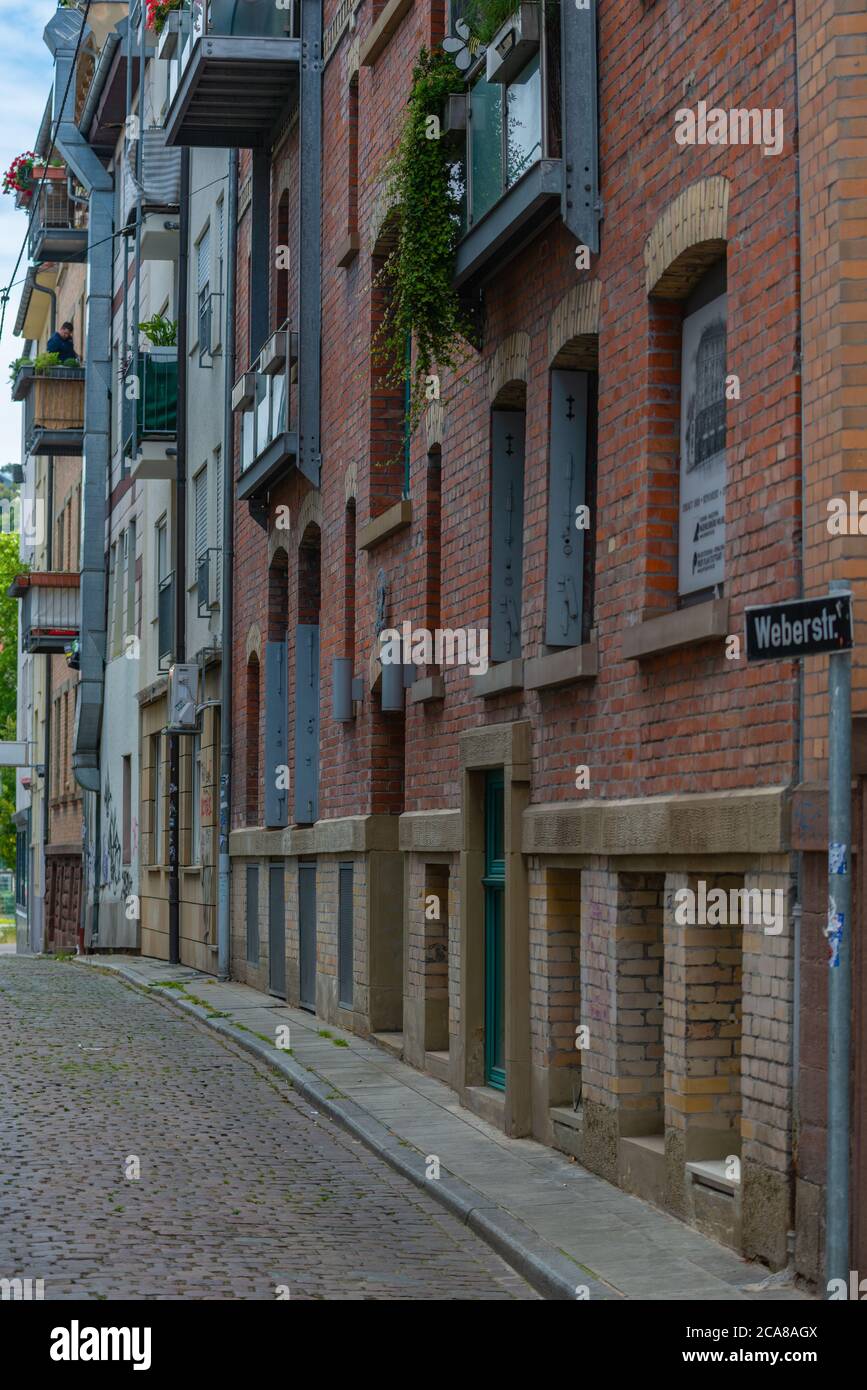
(61, 36)
(797, 914)
(224, 928)
(44, 289)
(180, 581)
(46, 780)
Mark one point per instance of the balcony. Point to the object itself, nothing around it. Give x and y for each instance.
(53, 409)
(233, 73)
(150, 422)
(55, 230)
(266, 397)
(50, 615)
(525, 148)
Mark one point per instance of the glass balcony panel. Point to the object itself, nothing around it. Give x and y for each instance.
(280, 398)
(248, 430)
(263, 412)
(523, 122)
(249, 18)
(486, 147)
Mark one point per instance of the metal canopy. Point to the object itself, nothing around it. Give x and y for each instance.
(233, 92)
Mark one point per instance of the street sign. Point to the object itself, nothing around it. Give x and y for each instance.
(14, 755)
(804, 627)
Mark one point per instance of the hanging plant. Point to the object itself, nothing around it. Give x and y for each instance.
(19, 176)
(421, 183)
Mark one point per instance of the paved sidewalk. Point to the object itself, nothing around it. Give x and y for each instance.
(557, 1224)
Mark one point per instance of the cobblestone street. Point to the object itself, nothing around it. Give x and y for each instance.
(242, 1187)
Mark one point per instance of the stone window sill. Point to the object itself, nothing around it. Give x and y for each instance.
(424, 692)
(498, 680)
(688, 627)
(387, 524)
(382, 31)
(349, 249)
(564, 667)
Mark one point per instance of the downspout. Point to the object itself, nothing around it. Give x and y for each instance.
(46, 780)
(61, 36)
(44, 289)
(180, 580)
(797, 914)
(310, 278)
(227, 596)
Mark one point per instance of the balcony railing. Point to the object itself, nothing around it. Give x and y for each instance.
(50, 613)
(233, 71)
(208, 575)
(165, 622)
(156, 409)
(267, 398)
(53, 409)
(58, 230)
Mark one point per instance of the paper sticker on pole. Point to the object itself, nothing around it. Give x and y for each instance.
(804, 627)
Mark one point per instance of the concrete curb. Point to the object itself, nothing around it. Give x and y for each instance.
(550, 1272)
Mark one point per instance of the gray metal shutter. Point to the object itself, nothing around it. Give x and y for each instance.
(252, 914)
(507, 532)
(344, 936)
(566, 491)
(276, 738)
(276, 930)
(306, 723)
(579, 205)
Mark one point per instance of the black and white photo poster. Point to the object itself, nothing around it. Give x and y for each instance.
(702, 448)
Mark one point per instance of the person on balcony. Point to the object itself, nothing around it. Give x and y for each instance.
(61, 343)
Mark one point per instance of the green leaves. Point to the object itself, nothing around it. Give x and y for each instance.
(422, 185)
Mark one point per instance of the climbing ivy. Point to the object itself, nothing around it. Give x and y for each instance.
(423, 183)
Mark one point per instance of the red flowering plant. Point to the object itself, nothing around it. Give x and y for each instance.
(159, 11)
(19, 176)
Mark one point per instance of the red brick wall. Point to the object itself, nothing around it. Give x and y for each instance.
(683, 722)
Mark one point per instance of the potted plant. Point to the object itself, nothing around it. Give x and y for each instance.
(166, 25)
(159, 13)
(162, 334)
(16, 376)
(18, 178)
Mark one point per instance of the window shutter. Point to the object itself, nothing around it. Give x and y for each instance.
(566, 491)
(276, 718)
(253, 914)
(218, 513)
(344, 935)
(203, 263)
(580, 198)
(306, 723)
(200, 500)
(507, 532)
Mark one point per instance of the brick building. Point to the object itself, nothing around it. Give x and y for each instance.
(480, 854)
(52, 446)
(493, 861)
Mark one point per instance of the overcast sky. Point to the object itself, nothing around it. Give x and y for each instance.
(24, 88)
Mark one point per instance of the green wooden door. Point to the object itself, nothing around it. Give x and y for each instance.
(495, 899)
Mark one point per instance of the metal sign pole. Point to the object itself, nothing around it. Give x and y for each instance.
(839, 934)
